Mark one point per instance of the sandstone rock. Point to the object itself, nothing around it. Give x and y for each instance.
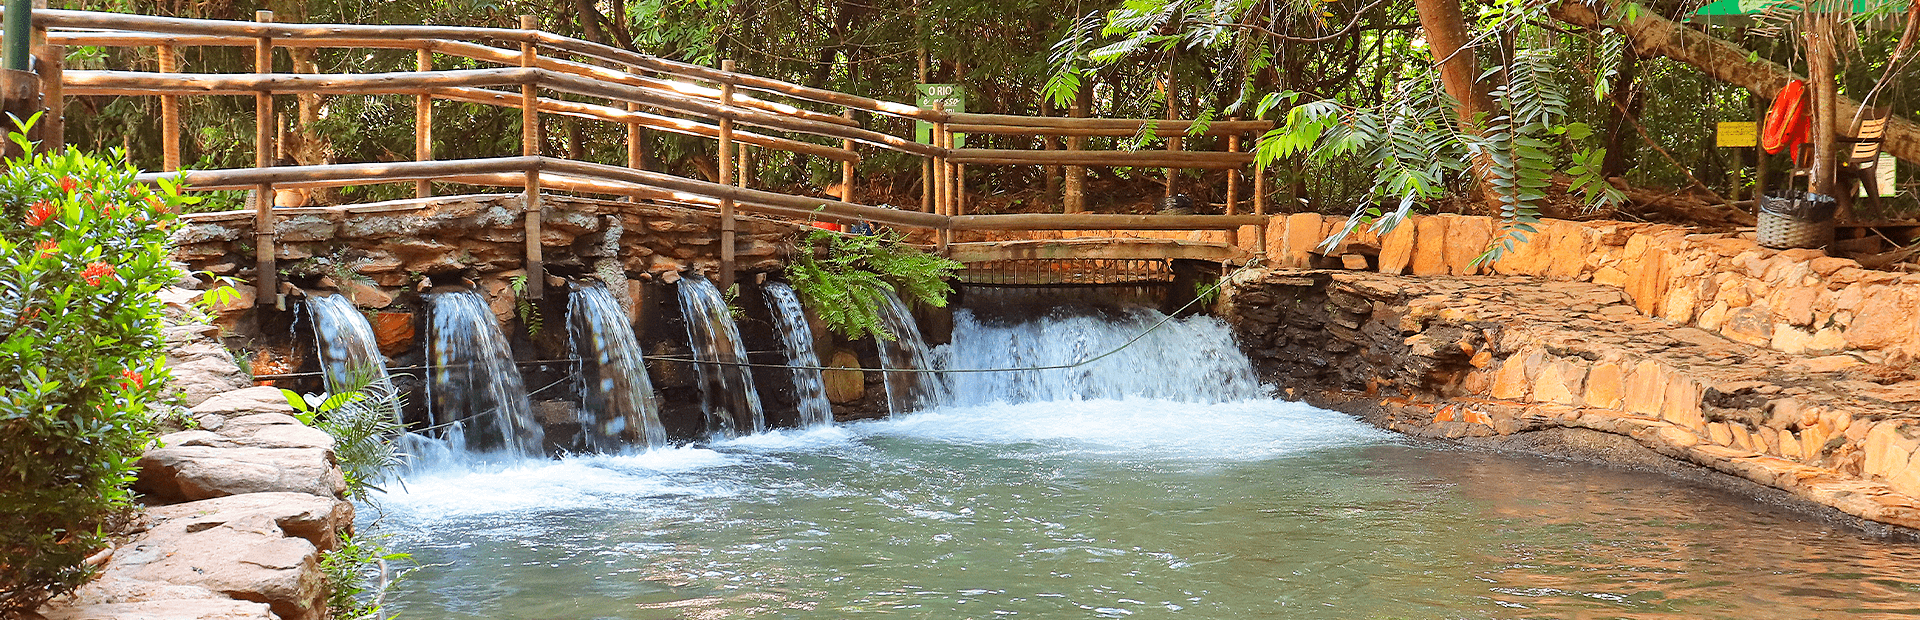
(1605, 386)
(1510, 382)
(1429, 247)
(201, 379)
(243, 402)
(1681, 404)
(844, 386)
(318, 520)
(1885, 319)
(1304, 232)
(1559, 382)
(1466, 239)
(393, 332)
(1749, 325)
(1530, 257)
(1396, 248)
(202, 472)
(248, 558)
(1567, 249)
(1646, 389)
(171, 609)
(366, 295)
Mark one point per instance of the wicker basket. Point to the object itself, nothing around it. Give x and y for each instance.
(1783, 232)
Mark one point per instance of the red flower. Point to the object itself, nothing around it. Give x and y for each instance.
(40, 213)
(130, 380)
(67, 184)
(95, 271)
(48, 248)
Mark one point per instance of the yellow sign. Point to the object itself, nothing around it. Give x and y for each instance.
(1737, 135)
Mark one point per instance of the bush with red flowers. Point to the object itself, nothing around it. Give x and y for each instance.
(83, 252)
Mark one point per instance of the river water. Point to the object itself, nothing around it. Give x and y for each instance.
(1114, 507)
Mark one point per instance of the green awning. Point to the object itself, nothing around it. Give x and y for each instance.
(1742, 12)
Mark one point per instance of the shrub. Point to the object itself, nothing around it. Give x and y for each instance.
(83, 252)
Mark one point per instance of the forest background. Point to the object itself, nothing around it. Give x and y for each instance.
(1371, 119)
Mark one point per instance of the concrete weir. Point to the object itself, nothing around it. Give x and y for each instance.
(1520, 362)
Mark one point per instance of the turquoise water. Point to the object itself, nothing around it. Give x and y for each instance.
(1114, 509)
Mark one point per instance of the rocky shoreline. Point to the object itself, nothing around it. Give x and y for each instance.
(1494, 360)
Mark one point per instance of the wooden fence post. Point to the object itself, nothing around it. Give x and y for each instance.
(423, 124)
(169, 114)
(1233, 174)
(727, 224)
(53, 126)
(745, 172)
(530, 146)
(263, 146)
(941, 181)
(846, 167)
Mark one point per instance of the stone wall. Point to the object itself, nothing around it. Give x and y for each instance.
(1795, 301)
(393, 246)
(1465, 356)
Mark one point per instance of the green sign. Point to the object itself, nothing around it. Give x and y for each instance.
(951, 98)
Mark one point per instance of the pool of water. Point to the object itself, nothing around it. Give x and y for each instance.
(1111, 508)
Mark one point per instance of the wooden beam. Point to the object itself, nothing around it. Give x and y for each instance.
(169, 114)
(1217, 129)
(1102, 221)
(632, 116)
(727, 223)
(1118, 249)
(400, 83)
(264, 233)
(1149, 159)
(1129, 125)
(423, 124)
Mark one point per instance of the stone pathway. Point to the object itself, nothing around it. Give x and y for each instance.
(246, 503)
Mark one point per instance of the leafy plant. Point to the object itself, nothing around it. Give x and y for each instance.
(363, 416)
(83, 252)
(357, 577)
(846, 278)
(529, 313)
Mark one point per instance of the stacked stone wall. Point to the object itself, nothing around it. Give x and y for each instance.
(1478, 356)
(1794, 301)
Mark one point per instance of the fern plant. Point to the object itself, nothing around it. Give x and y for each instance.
(363, 417)
(846, 278)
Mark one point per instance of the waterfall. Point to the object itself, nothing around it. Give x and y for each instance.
(727, 395)
(476, 390)
(349, 355)
(906, 391)
(1192, 359)
(790, 320)
(618, 406)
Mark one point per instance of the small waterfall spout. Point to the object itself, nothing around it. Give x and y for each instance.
(906, 391)
(809, 388)
(477, 392)
(616, 393)
(727, 394)
(349, 355)
(1192, 359)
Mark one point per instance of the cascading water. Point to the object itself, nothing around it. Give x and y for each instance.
(349, 354)
(790, 321)
(906, 391)
(1192, 359)
(477, 394)
(727, 395)
(618, 406)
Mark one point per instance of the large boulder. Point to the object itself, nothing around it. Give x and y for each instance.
(169, 609)
(194, 559)
(259, 453)
(214, 411)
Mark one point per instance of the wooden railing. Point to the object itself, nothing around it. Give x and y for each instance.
(635, 90)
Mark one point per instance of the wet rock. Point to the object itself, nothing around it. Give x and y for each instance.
(171, 609)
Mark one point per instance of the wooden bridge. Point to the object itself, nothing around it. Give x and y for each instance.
(529, 68)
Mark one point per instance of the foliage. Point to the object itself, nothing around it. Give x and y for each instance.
(846, 278)
(82, 257)
(523, 306)
(363, 416)
(357, 580)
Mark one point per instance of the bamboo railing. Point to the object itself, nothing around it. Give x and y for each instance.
(632, 90)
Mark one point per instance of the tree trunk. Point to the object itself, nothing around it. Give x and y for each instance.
(1625, 106)
(1652, 35)
(1447, 37)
